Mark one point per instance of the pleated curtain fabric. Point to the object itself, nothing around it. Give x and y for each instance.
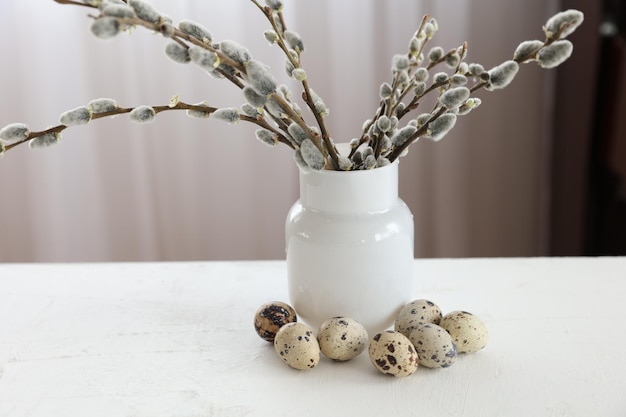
(187, 189)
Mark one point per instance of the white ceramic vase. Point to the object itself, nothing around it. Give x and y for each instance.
(349, 246)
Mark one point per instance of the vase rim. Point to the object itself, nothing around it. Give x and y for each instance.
(371, 190)
(353, 172)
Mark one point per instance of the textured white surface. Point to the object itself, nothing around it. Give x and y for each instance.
(176, 340)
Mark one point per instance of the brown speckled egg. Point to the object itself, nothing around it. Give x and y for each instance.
(392, 353)
(272, 316)
(467, 331)
(297, 346)
(434, 346)
(342, 338)
(415, 313)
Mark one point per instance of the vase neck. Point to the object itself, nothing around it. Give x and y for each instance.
(351, 191)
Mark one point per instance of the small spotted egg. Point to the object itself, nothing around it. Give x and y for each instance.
(393, 354)
(342, 338)
(467, 331)
(296, 345)
(434, 346)
(272, 316)
(415, 313)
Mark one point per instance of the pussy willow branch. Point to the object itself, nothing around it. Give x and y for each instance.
(530, 56)
(178, 36)
(414, 103)
(307, 96)
(390, 105)
(383, 105)
(157, 109)
(397, 151)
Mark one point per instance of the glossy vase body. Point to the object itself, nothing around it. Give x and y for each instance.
(349, 245)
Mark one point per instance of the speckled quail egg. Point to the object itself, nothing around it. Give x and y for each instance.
(434, 346)
(272, 316)
(342, 338)
(297, 346)
(414, 313)
(467, 331)
(392, 353)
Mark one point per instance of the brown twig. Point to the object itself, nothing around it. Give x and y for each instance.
(157, 109)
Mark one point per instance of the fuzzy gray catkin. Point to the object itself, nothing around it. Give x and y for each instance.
(119, 10)
(383, 123)
(555, 54)
(382, 161)
(311, 155)
(167, 29)
(421, 74)
(105, 27)
(402, 135)
(458, 79)
(469, 105)
(260, 78)
(385, 91)
(177, 53)
(441, 78)
(345, 164)
(44, 141)
(195, 30)
(299, 74)
(78, 116)
(454, 97)
(294, 40)
(251, 111)
(422, 119)
(206, 60)
(252, 97)
(399, 63)
(300, 162)
(13, 133)
(102, 105)
(369, 162)
(199, 114)
(229, 115)
(275, 5)
(527, 48)
(142, 114)
(266, 137)
(275, 108)
(439, 127)
(435, 54)
(475, 69)
(502, 75)
(235, 51)
(297, 133)
(567, 21)
(271, 36)
(145, 11)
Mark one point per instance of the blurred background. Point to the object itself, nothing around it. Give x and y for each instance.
(537, 170)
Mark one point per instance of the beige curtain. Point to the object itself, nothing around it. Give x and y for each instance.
(185, 189)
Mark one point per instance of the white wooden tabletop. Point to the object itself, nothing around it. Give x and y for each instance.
(177, 340)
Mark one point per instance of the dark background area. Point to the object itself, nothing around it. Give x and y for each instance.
(589, 155)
